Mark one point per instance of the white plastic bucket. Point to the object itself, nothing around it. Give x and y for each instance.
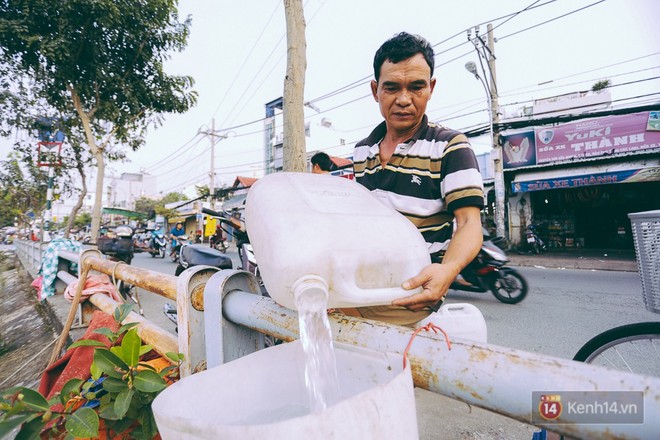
(263, 396)
(460, 320)
(321, 225)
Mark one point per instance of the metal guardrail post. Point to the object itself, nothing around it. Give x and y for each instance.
(226, 341)
(495, 378)
(190, 316)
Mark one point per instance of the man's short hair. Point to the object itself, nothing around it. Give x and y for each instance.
(323, 161)
(401, 47)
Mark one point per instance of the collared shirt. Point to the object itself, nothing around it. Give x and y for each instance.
(427, 178)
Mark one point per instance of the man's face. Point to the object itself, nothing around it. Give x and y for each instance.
(402, 93)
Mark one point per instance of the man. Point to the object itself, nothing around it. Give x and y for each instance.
(425, 171)
(321, 163)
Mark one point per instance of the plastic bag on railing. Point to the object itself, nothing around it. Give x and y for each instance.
(94, 284)
(37, 284)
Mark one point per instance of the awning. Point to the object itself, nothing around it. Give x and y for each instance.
(585, 176)
(124, 212)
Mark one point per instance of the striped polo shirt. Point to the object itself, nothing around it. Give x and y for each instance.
(427, 179)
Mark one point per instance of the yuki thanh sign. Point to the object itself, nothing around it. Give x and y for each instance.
(597, 137)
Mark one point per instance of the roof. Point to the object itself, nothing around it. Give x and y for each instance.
(245, 182)
(341, 162)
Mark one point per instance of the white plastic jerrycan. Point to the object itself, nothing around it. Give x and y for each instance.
(459, 320)
(328, 233)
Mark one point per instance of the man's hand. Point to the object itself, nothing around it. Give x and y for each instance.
(435, 280)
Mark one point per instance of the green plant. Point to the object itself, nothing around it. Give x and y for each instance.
(117, 398)
(601, 85)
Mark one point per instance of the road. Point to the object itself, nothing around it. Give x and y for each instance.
(564, 308)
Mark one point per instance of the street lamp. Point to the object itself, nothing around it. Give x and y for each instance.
(471, 67)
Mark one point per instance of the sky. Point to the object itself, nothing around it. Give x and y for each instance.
(237, 55)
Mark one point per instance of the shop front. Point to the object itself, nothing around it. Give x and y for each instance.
(580, 196)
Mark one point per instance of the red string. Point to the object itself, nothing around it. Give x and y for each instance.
(427, 327)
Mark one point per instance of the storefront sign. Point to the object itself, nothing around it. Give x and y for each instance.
(604, 136)
(596, 137)
(519, 150)
(627, 176)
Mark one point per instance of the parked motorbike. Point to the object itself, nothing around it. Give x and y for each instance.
(487, 272)
(121, 248)
(157, 244)
(534, 241)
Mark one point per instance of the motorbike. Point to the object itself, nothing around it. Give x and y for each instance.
(534, 241)
(157, 244)
(175, 246)
(121, 247)
(217, 241)
(487, 272)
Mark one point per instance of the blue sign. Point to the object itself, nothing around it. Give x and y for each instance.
(627, 176)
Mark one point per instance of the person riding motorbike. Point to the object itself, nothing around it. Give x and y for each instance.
(175, 232)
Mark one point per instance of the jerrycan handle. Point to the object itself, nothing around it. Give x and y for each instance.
(368, 297)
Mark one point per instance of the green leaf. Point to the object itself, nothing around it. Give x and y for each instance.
(71, 387)
(83, 423)
(123, 401)
(112, 385)
(117, 351)
(130, 345)
(176, 357)
(149, 382)
(126, 327)
(7, 425)
(31, 430)
(34, 400)
(167, 370)
(146, 366)
(107, 411)
(110, 363)
(87, 343)
(124, 311)
(95, 371)
(144, 349)
(105, 331)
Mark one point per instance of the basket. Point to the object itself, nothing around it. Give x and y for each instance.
(646, 235)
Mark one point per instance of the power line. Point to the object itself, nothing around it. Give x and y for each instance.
(550, 20)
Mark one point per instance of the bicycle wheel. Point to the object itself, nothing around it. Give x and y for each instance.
(633, 347)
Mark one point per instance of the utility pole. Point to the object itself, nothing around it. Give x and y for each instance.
(212, 172)
(498, 165)
(294, 85)
(489, 81)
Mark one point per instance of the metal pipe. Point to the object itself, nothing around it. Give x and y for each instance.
(495, 378)
(155, 282)
(161, 340)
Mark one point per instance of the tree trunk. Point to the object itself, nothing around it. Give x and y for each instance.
(294, 150)
(79, 203)
(97, 151)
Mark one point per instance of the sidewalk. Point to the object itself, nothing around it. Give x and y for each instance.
(588, 259)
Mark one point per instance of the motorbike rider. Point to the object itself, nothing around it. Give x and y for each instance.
(175, 232)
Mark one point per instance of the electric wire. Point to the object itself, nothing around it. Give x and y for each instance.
(508, 17)
(247, 57)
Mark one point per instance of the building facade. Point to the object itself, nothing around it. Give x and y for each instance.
(577, 182)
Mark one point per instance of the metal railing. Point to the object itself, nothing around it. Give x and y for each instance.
(222, 316)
